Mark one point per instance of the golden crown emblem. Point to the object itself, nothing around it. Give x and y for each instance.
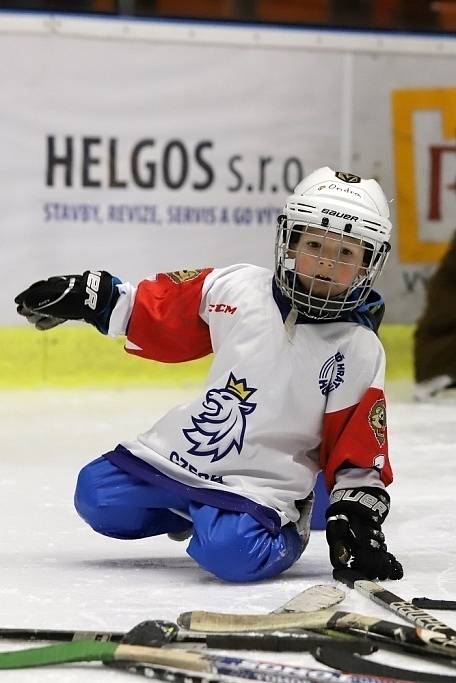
(179, 276)
(239, 387)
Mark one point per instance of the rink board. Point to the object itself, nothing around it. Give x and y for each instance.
(80, 356)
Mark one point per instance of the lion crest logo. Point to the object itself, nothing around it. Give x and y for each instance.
(377, 420)
(220, 427)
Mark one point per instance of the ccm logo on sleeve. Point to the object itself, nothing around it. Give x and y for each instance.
(92, 287)
(222, 308)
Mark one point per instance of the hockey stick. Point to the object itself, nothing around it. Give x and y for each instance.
(340, 657)
(317, 621)
(163, 633)
(160, 633)
(309, 600)
(268, 671)
(429, 603)
(396, 604)
(180, 676)
(335, 656)
(214, 667)
(343, 656)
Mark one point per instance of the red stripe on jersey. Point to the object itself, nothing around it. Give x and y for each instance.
(165, 323)
(357, 436)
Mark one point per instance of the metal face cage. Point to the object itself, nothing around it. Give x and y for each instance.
(324, 271)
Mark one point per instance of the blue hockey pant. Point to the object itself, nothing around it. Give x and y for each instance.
(232, 545)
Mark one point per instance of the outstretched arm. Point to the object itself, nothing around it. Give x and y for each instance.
(160, 317)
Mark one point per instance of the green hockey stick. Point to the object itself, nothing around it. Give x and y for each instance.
(93, 651)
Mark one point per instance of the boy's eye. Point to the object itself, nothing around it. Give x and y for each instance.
(346, 252)
(314, 245)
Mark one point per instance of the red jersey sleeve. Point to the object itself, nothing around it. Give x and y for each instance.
(165, 324)
(354, 432)
(357, 437)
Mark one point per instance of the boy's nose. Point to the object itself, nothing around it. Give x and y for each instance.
(326, 261)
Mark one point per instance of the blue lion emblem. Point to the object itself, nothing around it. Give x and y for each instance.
(221, 426)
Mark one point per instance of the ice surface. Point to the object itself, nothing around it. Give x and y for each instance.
(56, 573)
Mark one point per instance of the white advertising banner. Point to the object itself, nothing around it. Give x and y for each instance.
(167, 152)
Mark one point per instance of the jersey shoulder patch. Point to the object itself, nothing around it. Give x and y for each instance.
(179, 276)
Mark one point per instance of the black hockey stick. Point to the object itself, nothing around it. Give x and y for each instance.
(163, 633)
(59, 635)
(336, 656)
(429, 603)
(396, 604)
(158, 632)
(310, 599)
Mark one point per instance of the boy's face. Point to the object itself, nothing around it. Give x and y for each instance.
(327, 263)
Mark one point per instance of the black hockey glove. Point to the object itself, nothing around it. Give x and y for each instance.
(90, 297)
(354, 535)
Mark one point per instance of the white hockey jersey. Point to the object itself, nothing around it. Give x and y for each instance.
(280, 403)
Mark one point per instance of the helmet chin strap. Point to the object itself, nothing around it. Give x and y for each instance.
(290, 324)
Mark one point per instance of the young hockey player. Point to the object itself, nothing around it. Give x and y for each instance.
(296, 385)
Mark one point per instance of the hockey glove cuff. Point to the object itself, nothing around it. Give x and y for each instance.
(90, 297)
(353, 532)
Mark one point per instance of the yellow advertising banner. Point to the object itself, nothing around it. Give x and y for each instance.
(413, 246)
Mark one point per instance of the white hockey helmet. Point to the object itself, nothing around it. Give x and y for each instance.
(343, 207)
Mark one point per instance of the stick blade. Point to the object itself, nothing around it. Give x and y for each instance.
(312, 599)
(338, 656)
